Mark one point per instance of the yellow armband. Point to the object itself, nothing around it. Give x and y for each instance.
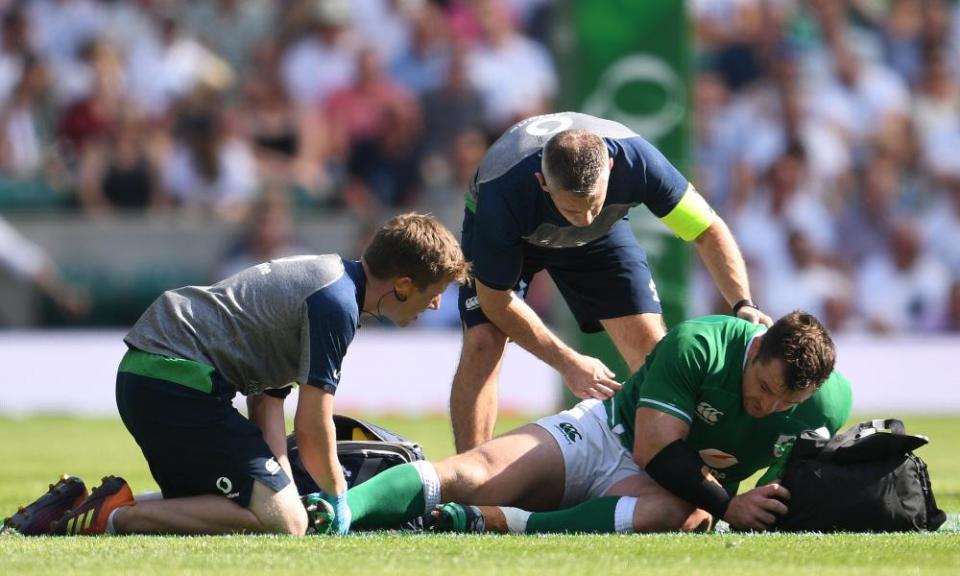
(691, 216)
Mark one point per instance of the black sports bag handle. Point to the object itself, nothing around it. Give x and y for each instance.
(848, 436)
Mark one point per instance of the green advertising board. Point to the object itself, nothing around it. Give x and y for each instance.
(628, 60)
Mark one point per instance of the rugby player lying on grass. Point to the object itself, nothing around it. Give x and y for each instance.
(288, 320)
(667, 452)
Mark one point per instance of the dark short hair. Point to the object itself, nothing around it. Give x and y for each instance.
(805, 347)
(416, 246)
(574, 160)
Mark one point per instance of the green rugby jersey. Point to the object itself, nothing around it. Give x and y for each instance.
(695, 374)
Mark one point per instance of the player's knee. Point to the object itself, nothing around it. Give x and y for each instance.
(484, 341)
(462, 476)
(697, 521)
(670, 515)
(291, 520)
(279, 512)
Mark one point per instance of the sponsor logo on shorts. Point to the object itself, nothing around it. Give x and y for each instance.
(718, 459)
(272, 466)
(471, 303)
(570, 431)
(653, 291)
(225, 485)
(708, 413)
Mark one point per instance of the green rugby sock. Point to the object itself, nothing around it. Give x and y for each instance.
(387, 499)
(598, 516)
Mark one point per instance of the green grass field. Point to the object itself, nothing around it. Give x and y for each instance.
(34, 451)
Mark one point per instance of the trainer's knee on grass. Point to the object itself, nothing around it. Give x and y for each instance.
(278, 512)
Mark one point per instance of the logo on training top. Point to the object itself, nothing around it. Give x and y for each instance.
(548, 124)
(717, 459)
(570, 431)
(708, 413)
(471, 303)
(653, 291)
(272, 466)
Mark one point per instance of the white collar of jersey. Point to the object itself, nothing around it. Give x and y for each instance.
(761, 332)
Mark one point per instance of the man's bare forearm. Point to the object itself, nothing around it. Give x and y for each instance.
(522, 325)
(267, 413)
(317, 440)
(722, 257)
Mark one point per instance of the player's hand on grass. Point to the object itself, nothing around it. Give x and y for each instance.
(588, 377)
(757, 509)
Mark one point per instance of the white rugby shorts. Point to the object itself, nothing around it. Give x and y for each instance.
(593, 458)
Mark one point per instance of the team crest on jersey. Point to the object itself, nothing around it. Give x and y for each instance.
(708, 413)
(784, 441)
(717, 459)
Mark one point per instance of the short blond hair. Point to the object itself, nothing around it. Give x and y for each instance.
(417, 246)
(574, 160)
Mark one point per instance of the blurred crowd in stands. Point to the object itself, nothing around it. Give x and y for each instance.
(207, 107)
(828, 136)
(827, 132)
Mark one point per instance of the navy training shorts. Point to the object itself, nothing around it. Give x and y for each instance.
(194, 440)
(607, 278)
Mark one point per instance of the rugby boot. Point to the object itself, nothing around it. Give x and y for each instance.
(320, 513)
(35, 518)
(464, 518)
(90, 516)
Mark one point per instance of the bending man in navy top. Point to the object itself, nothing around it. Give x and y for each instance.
(553, 194)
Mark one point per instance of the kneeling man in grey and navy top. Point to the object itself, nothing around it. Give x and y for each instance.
(258, 332)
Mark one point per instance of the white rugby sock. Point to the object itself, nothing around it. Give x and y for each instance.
(431, 484)
(149, 496)
(516, 519)
(111, 529)
(623, 516)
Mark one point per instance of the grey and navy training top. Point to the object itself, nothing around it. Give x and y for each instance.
(284, 321)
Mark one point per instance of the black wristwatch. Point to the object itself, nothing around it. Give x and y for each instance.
(746, 302)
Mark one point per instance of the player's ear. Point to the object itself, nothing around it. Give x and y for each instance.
(403, 288)
(542, 181)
